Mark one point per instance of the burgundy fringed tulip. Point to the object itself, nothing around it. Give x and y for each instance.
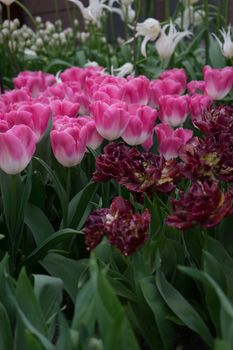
(111, 121)
(174, 109)
(204, 204)
(170, 141)
(125, 229)
(218, 82)
(17, 146)
(140, 126)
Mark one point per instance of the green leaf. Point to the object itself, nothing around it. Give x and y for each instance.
(48, 291)
(5, 330)
(79, 203)
(57, 62)
(110, 314)
(50, 242)
(221, 345)
(182, 308)
(64, 340)
(68, 270)
(160, 311)
(216, 57)
(38, 223)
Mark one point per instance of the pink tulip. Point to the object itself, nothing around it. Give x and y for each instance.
(83, 102)
(80, 74)
(111, 121)
(177, 74)
(174, 109)
(34, 82)
(218, 82)
(59, 91)
(198, 103)
(135, 90)
(140, 126)
(170, 141)
(14, 96)
(69, 144)
(94, 139)
(196, 86)
(158, 88)
(64, 107)
(17, 146)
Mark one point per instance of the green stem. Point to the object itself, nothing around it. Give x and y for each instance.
(226, 11)
(8, 13)
(25, 9)
(167, 9)
(207, 40)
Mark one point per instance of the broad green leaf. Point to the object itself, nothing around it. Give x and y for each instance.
(182, 308)
(221, 345)
(68, 270)
(216, 57)
(79, 204)
(48, 291)
(57, 62)
(5, 330)
(64, 339)
(38, 223)
(160, 311)
(24, 339)
(49, 243)
(110, 314)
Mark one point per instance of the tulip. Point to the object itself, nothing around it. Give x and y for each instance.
(124, 70)
(64, 107)
(140, 126)
(227, 45)
(34, 82)
(167, 42)
(94, 139)
(111, 121)
(174, 109)
(170, 141)
(150, 30)
(158, 88)
(177, 74)
(218, 82)
(135, 90)
(69, 144)
(196, 86)
(190, 17)
(198, 103)
(17, 146)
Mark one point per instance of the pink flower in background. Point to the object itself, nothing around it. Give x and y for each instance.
(80, 75)
(196, 86)
(174, 109)
(17, 146)
(198, 103)
(59, 91)
(140, 126)
(170, 141)
(135, 90)
(218, 82)
(177, 74)
(34, 82)
(64, 107)
(158, 88)
(111, 121)
(69, 144)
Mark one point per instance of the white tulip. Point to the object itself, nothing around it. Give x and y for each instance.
(227, 44)
(7, 2)
(190, 17)
(166, 43)
(94, 11)
(124, 70)
(150, 29)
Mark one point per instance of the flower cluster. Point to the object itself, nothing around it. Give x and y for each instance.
(125, 229)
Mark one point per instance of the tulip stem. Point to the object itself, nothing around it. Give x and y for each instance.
(26, 10)
(207, 39)
(8, 12)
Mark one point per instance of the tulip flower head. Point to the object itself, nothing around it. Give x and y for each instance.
(7, 2)
(174, 109)
(150, 29)
(227, 45)
(94, 11)
(167, 42)
(218, 82)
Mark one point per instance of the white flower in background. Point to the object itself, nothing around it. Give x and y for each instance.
(94, 11)
(91, 64)
(124, 70)
(227, 44)
(7, 2)
(126, 12)
(166, 43)
(191, 17)
(30, 53)
(150, 29)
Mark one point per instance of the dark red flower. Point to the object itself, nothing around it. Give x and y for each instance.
(95, 228)
(137, 171)
(125, 229)
(204, 204)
